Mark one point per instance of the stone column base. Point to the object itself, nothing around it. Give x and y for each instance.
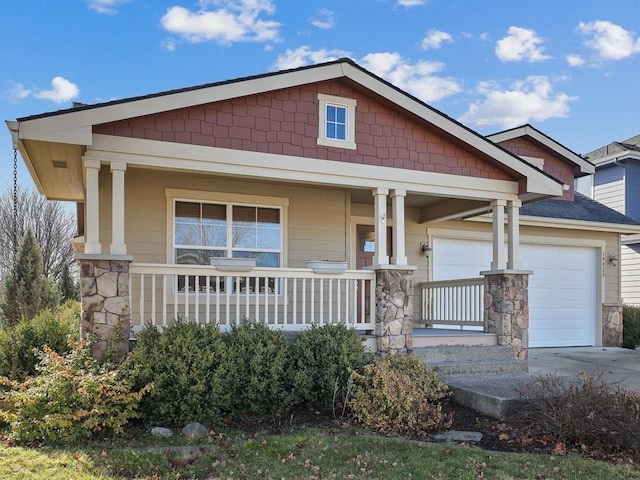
(612, 325)
(104, 285)
(394, 310)
(506, 308)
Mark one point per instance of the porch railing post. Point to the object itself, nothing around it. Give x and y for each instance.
(394, 309)
(506, 308)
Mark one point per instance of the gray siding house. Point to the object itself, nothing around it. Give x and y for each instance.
(616, 183)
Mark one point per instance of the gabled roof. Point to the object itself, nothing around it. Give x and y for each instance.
(73, 126)
(582, 209)
(629, 148)
(585, 166)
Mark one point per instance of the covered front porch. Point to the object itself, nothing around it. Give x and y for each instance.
(381, 299)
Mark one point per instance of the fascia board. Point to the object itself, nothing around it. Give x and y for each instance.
(176, 156)
(579, 224)
(75, 126)
(531, 221)
(624, 155)
(545, 183)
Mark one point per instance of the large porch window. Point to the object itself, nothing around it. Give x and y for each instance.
(207, 230)
(204, 230)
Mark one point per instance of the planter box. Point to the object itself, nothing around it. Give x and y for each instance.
(327, 266)
(233, 264)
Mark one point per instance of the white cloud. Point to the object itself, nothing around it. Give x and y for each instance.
(574, 60)
(108, 7)
(610, 41)
(528, 100)
(435, 38)
(305, 56)
(323, 19)
(62, 90)
(410, 3)
(234, 21)
(520, 44)
(169, 44)
(17, 91)
(418, 79)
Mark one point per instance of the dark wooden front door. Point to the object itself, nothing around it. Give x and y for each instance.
(365, 251)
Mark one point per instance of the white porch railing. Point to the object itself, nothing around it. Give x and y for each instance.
(287, 298)
(458, 303)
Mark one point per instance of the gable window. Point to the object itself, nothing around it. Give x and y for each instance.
(203, 230)
(337, 121)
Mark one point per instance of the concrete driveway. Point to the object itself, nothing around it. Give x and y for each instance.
(616, 364)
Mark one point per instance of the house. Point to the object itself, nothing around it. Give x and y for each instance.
(325, 194)
(616, 184)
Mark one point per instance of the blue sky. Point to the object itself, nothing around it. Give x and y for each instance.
(570, 68)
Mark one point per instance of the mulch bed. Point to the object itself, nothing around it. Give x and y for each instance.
(497, 435)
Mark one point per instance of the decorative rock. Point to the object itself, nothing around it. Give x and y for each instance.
(161, 432)
(195, 430)
(458, 437)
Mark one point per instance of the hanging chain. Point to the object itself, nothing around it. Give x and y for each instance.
(15, 204)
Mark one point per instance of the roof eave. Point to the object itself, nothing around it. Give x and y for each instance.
(74, 126)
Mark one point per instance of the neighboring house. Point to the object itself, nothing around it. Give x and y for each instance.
(209, 203)
(616, 183)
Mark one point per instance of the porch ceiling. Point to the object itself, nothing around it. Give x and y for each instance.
(56, 168)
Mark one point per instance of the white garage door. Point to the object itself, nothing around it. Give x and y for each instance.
(562, 289)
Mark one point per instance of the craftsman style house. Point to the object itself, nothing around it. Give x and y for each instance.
(324, 194)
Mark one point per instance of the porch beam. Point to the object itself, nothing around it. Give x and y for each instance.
(118, 247)
(513, 210)
(397, 207)
(498, 262)
(450, 209)
(380, 227)
(92, 206)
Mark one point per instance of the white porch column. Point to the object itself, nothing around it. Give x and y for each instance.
(513, 209)
(380, 227)
(498, 262)
(118, 247)
(92, 207)
(397, 206)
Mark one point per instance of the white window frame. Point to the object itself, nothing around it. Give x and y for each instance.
(347, 103)
(175, 195)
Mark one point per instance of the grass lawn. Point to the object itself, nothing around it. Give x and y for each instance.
(307, 454)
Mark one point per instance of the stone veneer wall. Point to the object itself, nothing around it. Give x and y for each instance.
(612, 324)
(394, 311)
(104, 287)
(506, 309)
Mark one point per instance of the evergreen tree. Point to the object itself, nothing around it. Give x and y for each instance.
(68, 288)
(26, 289)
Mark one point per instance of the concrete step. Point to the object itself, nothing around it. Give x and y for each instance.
(494, 395)
(471, 360)
(459, 353)
(477, 339)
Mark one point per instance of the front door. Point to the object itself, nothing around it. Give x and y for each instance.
(366, 240)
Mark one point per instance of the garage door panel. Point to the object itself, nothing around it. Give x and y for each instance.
(562, 289)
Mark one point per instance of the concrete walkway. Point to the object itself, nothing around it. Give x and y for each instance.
(616, 364)
(497, 395)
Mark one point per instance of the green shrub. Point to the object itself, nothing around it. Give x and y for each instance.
(70, 397)
(256, 370)
(321, 359)
(399, 394)
(54, 328)
(631, 326)
(183, 362)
